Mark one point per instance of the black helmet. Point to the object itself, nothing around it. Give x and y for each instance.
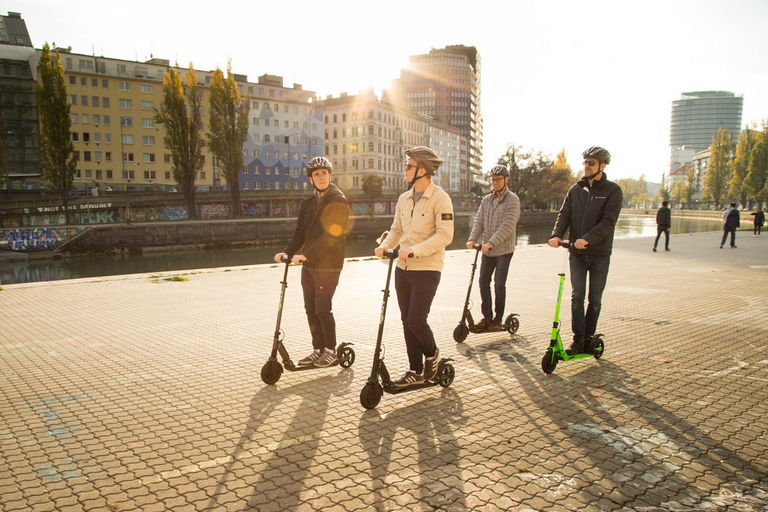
(319, 162)
(500, 170)
(425, 157)
(599, 153)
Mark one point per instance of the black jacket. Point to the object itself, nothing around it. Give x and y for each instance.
(322, 230)
(590, 213)
(664, 217)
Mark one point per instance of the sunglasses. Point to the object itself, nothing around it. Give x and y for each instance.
(590, 163)
(408, 167)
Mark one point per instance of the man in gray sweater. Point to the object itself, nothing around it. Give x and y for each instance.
(496, 222)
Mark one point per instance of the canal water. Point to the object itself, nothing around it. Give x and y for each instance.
(106, 265)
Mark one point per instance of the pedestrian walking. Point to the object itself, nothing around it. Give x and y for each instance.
(663, 225)
(758, 221)
(731, 221)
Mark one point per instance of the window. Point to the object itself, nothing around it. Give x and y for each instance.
(75, 137)
(86, 156)
(269, 170)
(126, 104)
(97, 156)
(108, 158)
(95, 101)
(105, 85)
(149, 158)
(266, 138)
(84, 119)
(83, 81)
(72, 80)
(148, 140)
(97, 138)
(127, 157)
(146, 88)
(107, 138)
(147, 105)
(109, 174)
(245, 185)
(129, 175)
(147, 122)
(168, 175)
(73, 117)
(105, 102)
(99, 174)
(73, 99)
(84, 100)
(86, 137)
(123, 85)
(96, 119)
(94, 82)
(150, 175)
(167, 158)
(126, 139)
(106, 120)
(126, 121)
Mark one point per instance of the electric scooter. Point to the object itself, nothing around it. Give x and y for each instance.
(373, 390)
(467, 324)
(272, 370)
(595, 347)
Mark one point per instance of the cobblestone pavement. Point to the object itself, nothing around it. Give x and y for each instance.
(140, 393)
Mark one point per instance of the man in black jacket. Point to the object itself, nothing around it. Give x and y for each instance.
(321, 234)
(731, 221)
(589, 213)
(663, 225)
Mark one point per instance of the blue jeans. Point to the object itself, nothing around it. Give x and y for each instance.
(498, 266)
(319, 287)
(415, 291)
(596, 265)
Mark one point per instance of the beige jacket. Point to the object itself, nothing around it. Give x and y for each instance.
(425, 228)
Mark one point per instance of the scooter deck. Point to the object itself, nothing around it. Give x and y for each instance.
(390, 388)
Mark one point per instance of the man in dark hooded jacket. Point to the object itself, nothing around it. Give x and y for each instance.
(589, 214)
(321, 234)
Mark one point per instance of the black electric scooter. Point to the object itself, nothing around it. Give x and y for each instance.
(467, 324)
(555, 352)
(272, 370)
(371, 394)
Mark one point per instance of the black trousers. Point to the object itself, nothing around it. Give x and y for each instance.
(659, 231)
(415, 291)
(319, 287)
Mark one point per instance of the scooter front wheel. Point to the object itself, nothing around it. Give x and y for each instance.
(460, 333)
(446, 375)
(549, 361)
(271, 372)
(598, 347)
(512, 324)
(346, 357)
(370, 396)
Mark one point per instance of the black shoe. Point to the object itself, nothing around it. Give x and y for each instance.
(654, 249)
(409, 379)
(577, 347)
(430, 365)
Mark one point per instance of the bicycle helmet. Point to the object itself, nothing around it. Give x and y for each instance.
(319, 162)
(425, 157)
(500, 170)
(599, 153)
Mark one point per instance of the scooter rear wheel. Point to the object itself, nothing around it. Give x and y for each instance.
(512, 324)
(598, 347)
(346, 357)
(549, 361)
(460, 333)
(370, 396)
(271, 372)
(446, 375)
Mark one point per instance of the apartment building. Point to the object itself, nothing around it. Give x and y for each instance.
(365, 134)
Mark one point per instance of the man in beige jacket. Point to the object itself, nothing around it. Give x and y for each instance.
(423, 226)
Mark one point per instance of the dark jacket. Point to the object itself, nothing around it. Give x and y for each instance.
(590, 213)
(321, 230)
(731, 218)
(759, 218)
(664, 217)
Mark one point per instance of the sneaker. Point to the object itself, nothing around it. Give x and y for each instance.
(654, 249)
(327, 359)
(495, 325)
(721, 246)
(311, 358)
(430, 365)
(483, 324)
(577, 347)
(667, 250)
(734, 247)
(409, 379)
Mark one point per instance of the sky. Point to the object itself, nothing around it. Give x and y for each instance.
(556, 74)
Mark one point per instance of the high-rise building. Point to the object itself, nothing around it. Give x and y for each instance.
(696, 117)
(444, 84)
(19, 128)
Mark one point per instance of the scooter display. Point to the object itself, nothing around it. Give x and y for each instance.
(272, 370)
(371, 394)
(467, 324)
(595, 347)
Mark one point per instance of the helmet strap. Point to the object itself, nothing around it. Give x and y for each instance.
(416, 178)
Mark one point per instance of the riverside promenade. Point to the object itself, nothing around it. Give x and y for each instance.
(137, 393)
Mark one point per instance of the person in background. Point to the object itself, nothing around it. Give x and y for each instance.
(496, 223)
(731, 221)
(663, 225)
(758, 221)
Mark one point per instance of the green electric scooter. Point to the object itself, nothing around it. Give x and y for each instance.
(556, 352)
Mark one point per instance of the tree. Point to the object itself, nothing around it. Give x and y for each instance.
(665, 192)
(180, 113)
(535, 178)
(634, 191)
(57, 153)
(677, 195)
(228, 129)
(747, 139)
(373, 186)
(690, 184)
(756, 181)
(719, 169)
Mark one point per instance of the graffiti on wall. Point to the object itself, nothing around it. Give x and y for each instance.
(40, 239)
(175, 213)
(214, 211)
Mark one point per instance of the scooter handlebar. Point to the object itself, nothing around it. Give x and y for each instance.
(391, 253)
(565, 244)
(477, 247)
(286, 259)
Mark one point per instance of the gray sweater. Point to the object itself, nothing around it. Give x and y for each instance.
(496, 219)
